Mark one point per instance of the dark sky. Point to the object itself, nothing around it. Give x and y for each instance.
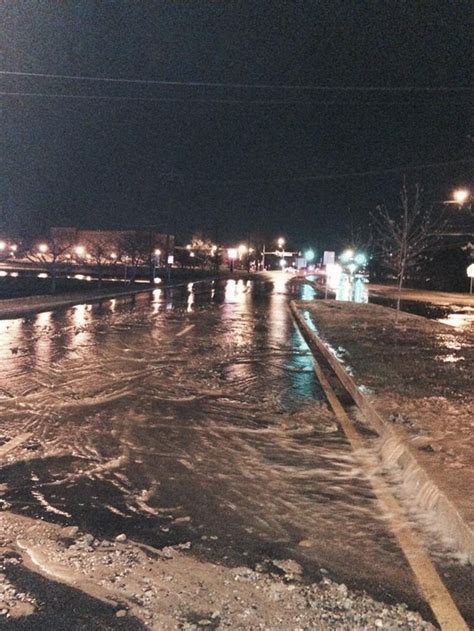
(106, 162)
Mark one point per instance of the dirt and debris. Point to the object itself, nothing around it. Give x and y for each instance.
(171, 589)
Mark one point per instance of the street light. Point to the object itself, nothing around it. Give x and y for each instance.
(360, 259)
(281, 242)
(352, 267)
(232, 255)
(79, 250)
(347, 255)
(43, 248)
(461, 195)
(3, 245)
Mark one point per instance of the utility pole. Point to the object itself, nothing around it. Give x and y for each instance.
(248, 252)
(216, 243)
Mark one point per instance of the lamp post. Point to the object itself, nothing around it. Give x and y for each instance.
(125, 266)
(232, 255)
(353, 261)
(243, 250)
(155, 259)
(461, 197)
(281, 244)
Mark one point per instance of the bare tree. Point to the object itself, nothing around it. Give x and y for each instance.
(357, 236)
(203, 249)
(98, 253)
(50, 253)
(404, 237)
(135, 250)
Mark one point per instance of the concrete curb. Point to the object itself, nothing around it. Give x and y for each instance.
(394, 450)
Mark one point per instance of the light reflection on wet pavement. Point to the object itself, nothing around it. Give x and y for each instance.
(215, 434)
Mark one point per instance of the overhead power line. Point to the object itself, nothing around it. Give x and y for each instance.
(256, 86)
(338, 176)
(165, 99)
(172, 99)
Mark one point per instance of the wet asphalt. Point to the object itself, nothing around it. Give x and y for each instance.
(190, 414)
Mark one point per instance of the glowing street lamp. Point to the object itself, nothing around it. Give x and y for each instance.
(347, 255)
(43, 248)
(360, 259)
(3, 245)
(281, 242)
(461, 195)
(242, 249)
(80, 250)
(232, 254)
(155, 260)
(352, 267)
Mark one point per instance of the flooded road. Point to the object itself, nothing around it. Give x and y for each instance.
(191, 415)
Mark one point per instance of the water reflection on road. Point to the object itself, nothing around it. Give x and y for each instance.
(190, 414)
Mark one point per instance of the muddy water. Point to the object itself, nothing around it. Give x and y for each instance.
(191, 415)
(457, 316)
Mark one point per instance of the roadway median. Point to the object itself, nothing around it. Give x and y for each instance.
(412, 385)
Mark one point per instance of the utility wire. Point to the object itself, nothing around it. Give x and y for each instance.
(338, 176)
(96, 97)
(256, 86)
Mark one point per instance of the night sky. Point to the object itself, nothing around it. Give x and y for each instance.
(240, 159)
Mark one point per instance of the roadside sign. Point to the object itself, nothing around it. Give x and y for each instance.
(470, 275)
(300, 263)
(329, 258)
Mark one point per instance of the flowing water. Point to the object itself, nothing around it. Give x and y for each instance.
(191, 414)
